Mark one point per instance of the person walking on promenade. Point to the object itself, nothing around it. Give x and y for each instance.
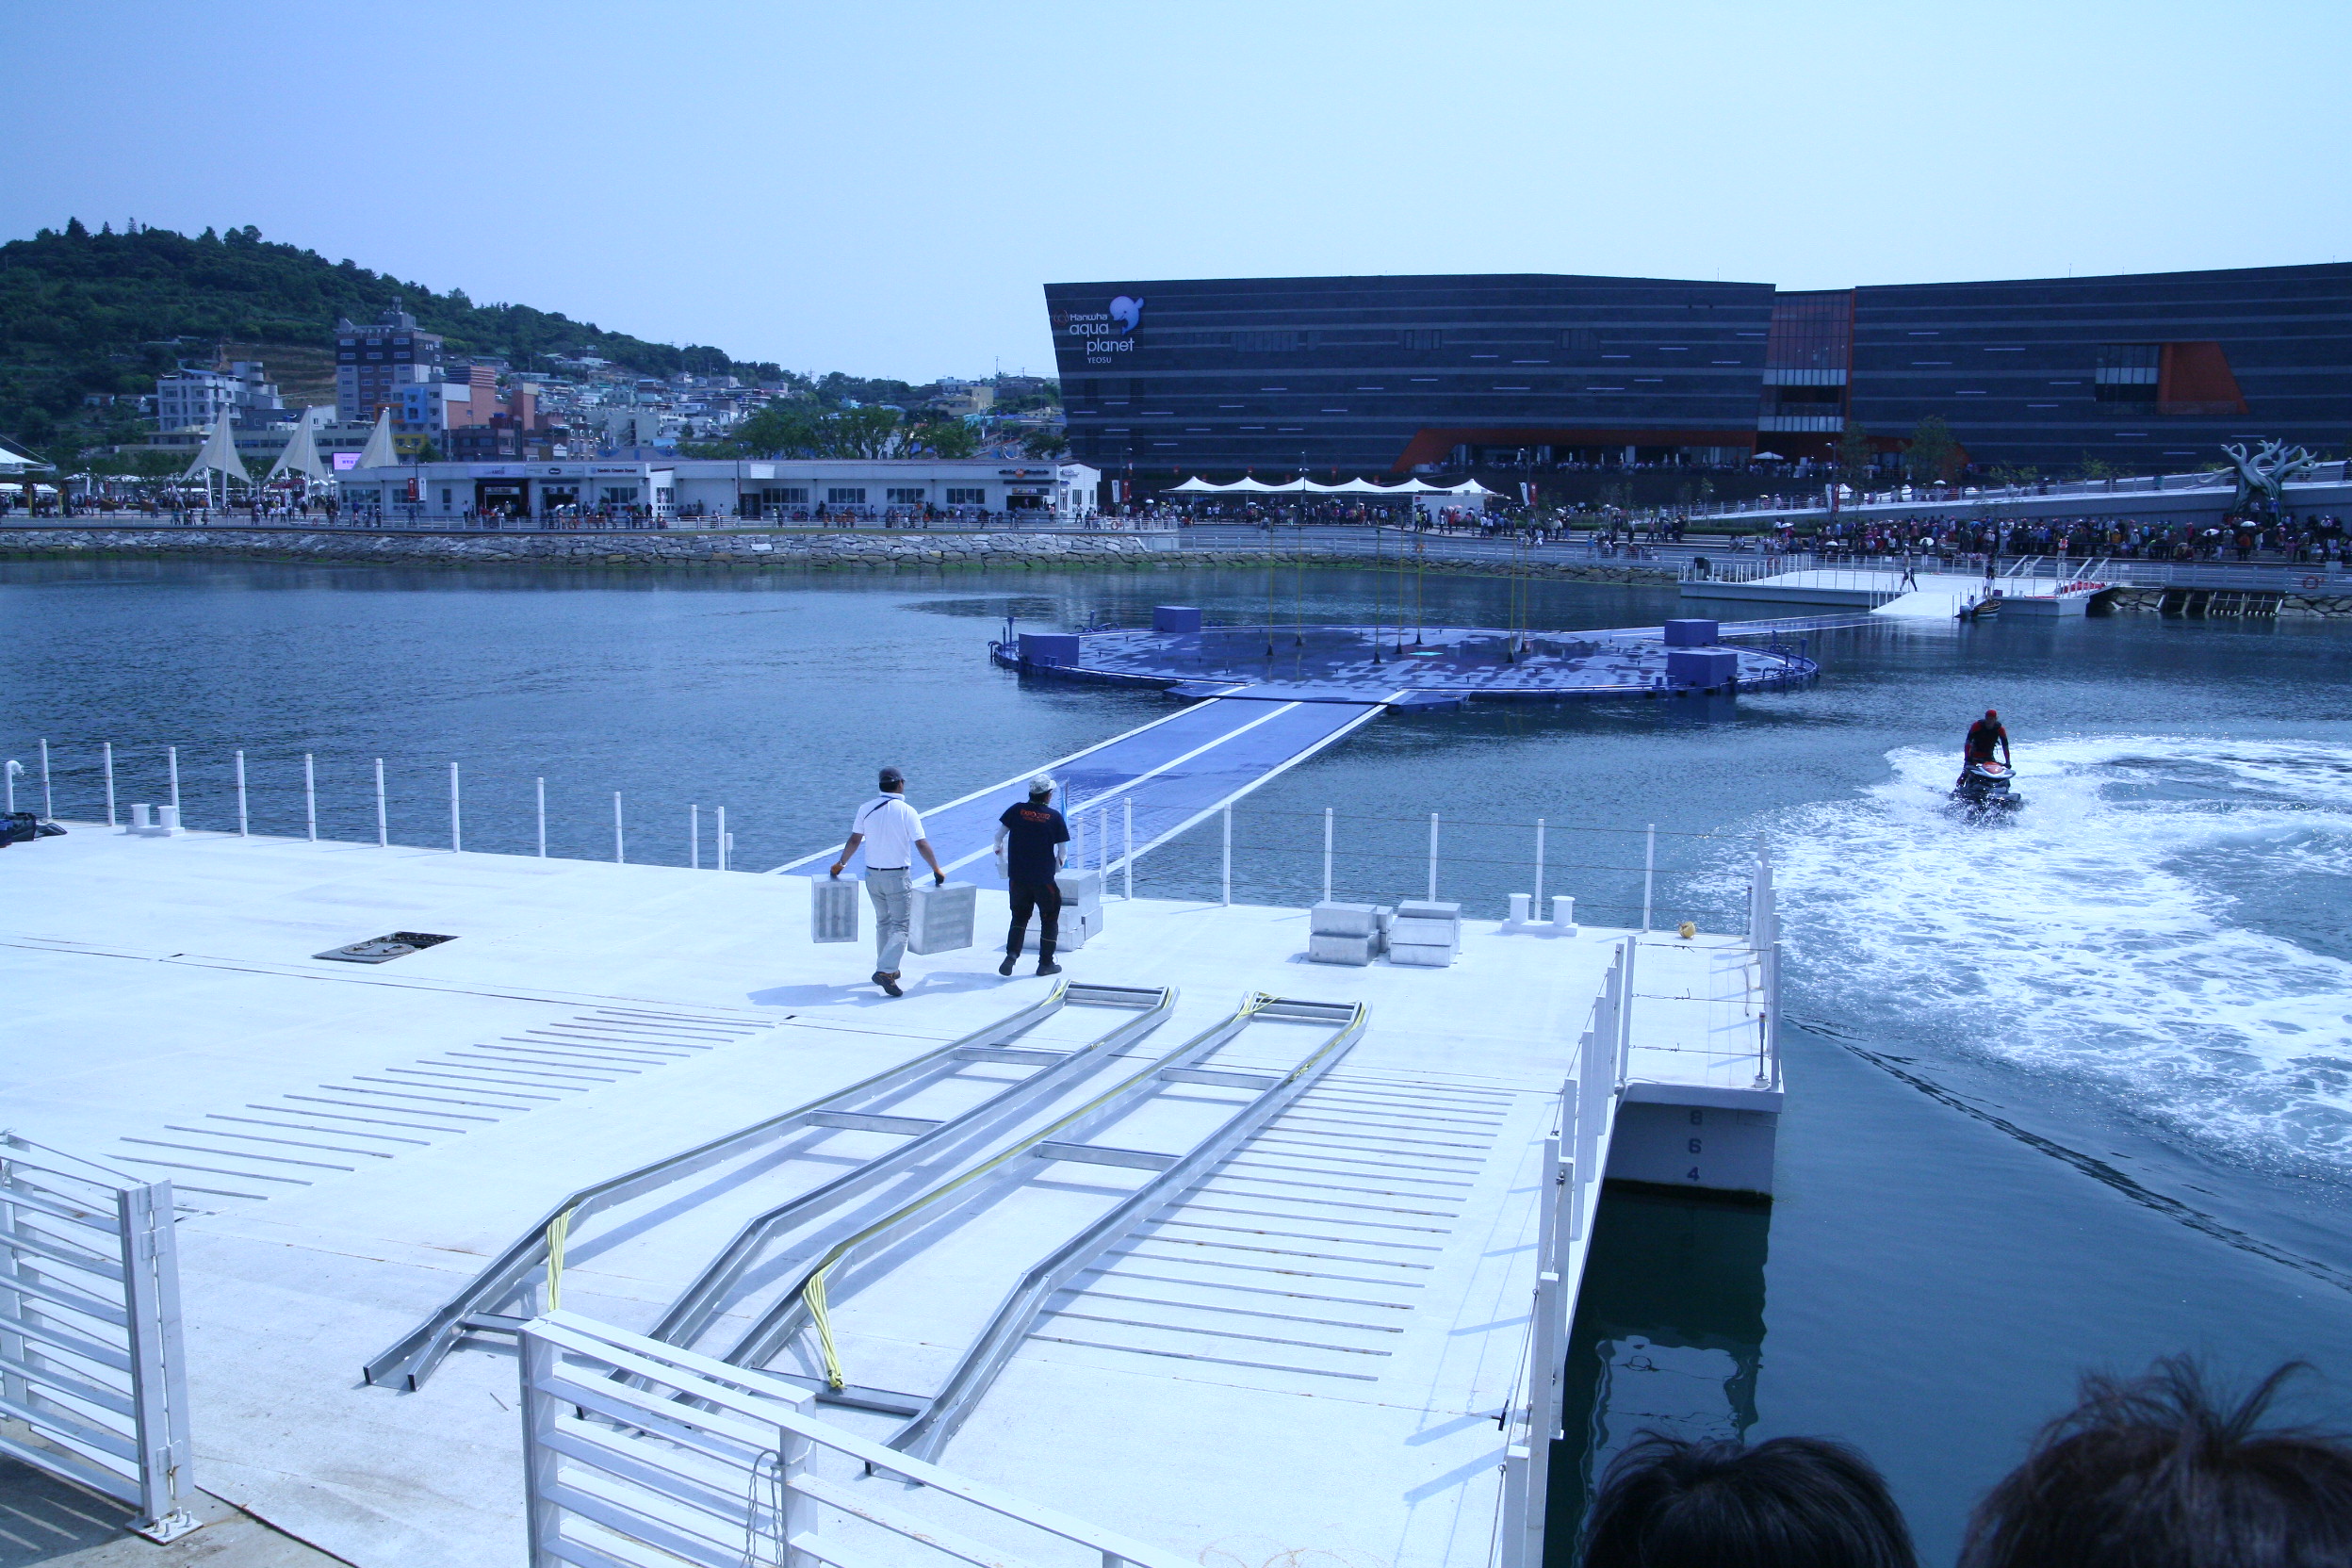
(891, 831)
(1029, 840)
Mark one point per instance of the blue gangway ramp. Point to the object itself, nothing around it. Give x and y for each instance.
(1175, 771)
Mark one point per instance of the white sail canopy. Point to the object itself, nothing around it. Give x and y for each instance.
(379, 452)
(218, 453)
(301, 457)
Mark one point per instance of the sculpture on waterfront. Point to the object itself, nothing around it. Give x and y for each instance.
(2263, 475)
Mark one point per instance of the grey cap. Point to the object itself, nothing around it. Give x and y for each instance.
(1040, 787)
(890, 777)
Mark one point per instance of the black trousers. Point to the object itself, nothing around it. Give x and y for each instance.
(1046, 899)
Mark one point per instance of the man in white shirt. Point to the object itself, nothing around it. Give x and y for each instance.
(890, 829)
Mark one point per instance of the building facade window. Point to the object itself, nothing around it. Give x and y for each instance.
(905, 494)
(967, 496)
(845, 495)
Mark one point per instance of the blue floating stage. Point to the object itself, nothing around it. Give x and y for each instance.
(1257, 716)
(1432, 667)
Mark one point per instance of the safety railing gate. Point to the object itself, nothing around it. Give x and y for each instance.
(639, 1454)
(93, 1386)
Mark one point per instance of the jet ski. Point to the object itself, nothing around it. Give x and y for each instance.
(1983, 793)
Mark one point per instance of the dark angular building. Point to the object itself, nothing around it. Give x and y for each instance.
(1353, 376)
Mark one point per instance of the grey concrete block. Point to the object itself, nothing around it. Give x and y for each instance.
(1344, 919)
(1415, 956)
(1324, 947)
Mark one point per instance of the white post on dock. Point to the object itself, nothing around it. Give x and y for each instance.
(1649, 866)
(1127, 855)
(724, 842)
(47, 808)
(1624, 1015)
(1226, 897)
(541, 789)
(1538, 902)
(172, 754)
(1326, 855)
(310, 798)
(383, 825)
(1433, 856)
(620, 845)
(694, 837)
(108, 753)
(243, 831)
(8, 771)
(457, 837)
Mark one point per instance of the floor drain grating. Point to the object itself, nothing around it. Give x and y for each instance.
(378, 950)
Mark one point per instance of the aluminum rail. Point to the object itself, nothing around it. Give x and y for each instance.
(412, 1359)
(805, 1303)
(93, 1381)
(691, 1313)
(929, 1432)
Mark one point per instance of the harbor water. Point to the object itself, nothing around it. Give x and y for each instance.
(2065, 1093)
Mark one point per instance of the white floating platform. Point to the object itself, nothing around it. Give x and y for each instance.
(350, 1142)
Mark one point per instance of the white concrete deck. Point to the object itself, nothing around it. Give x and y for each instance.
(1309, 1356)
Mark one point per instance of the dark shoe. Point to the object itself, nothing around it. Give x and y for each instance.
(1006, 967)
(1049, 967)
(889, 983)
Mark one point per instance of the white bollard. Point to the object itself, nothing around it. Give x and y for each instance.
(1518, 909)
(1564, 914)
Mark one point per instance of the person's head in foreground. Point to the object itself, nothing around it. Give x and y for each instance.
(2158, 1472)
(1793, 1502)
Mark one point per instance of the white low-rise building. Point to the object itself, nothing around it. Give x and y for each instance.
(695, 493)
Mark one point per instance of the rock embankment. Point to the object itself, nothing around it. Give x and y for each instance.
(875, 549)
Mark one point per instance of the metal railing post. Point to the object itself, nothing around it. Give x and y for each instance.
(543, 1515)
(48, 807)
(108, 751)
(541, 790)
(620, 844)
(1433, 856)
(151, 1300)
(1127, 855)
(173, 755)
(243, 829)
(1326, 855)
(1624, 1052)
(310, 798)
(1227, 896)
(383, 824)
(694, 837)
(1649, 867)
(1537, 911)
(457, 836)
(723, 844)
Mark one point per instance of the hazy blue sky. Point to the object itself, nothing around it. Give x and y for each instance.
(882, 187)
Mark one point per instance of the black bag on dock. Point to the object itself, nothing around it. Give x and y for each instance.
(24, 827)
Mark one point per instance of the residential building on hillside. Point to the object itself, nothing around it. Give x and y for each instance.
(372, 363)
(195, 396)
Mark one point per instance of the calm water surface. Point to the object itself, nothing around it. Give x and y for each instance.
(2071, 1094)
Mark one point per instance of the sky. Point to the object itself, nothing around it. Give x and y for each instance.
(884, 188)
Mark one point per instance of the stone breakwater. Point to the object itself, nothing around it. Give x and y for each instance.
(2290, 605)
(875, 549)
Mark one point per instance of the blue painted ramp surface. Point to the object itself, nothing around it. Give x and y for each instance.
(1175, 771)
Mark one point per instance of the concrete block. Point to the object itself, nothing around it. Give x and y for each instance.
(1344, 919)
(1082, 888)
(1077, 928)
(1424, 933)
(1325, 947)
(1702, 668)
(1416, 955)
(1175, 617)
(1050, 647)
(939, 919)
(1421, 909)
(833, 909)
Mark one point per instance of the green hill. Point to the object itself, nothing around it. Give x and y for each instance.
(84, 313)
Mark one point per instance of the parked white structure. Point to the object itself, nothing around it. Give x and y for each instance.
(685, 492)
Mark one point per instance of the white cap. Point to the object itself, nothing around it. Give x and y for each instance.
(1041, 786)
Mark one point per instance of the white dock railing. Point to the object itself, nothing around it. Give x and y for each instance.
(1575, 1161)
(93, 1385)
(638, 1454)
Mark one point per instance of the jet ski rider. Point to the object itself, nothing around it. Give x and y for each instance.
(1983, 736)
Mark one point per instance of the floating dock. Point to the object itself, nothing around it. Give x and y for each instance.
(1214, 1250)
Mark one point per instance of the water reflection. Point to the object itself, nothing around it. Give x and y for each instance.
(1668, 1336)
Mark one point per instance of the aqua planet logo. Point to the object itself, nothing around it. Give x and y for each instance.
(1127, 310)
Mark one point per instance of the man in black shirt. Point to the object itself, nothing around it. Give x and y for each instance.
(1984, 736)
(1029, 840)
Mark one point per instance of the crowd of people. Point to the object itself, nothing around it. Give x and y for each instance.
(2306, 541)
(2154, 1472)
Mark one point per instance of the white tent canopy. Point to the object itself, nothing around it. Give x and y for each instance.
(218, 453)
(1198, 487)
(301, 457)
(380, 452)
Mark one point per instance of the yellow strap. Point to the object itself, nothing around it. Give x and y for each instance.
(813, 1293)
(558, 1229)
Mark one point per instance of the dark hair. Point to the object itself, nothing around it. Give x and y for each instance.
(1793, 1502)
(890, 777)
(2152, 1472)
